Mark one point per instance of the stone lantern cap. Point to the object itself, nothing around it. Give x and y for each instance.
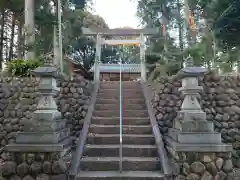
(46, 71)
(190, 70)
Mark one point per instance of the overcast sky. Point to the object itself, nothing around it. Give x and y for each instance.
(117, 13)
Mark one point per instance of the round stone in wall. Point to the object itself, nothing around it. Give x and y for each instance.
(198, 167)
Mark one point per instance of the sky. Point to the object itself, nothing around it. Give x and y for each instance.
(117, 13)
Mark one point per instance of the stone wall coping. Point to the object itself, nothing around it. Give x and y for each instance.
(80, 144)
(166, 165)
(181, 147)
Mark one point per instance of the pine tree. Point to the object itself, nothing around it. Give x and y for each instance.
(227, 25)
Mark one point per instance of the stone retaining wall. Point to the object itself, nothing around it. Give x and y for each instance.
(19, 98)
(220, 100)
(203, 166)
(34, 166)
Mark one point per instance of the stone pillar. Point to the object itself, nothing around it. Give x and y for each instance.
(39, 149)
(97, 58)
(142, 58)
(196, 150)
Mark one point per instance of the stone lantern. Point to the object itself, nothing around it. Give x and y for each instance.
(191, 126)
(47, 131)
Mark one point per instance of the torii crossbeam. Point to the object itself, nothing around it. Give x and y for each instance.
(119, 31)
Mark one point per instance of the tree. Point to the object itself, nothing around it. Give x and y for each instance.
(129, 53)
(162, 50)
(80, 4)
(83, 48)
(219, 44)
(227, 25)
(215, 46)
(12, 21)
(10, 17)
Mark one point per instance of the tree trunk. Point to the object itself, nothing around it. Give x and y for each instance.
(29, 27)
(2, 37)
(20, 40)
(180, 31)
(11, 45)
(6, 50)
(214, 52)
(186, 14)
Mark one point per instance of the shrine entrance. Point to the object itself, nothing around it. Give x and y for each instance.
(111, 72)
(122, 72)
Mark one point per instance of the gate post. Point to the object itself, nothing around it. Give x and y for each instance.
(97, 58)
(142, 58)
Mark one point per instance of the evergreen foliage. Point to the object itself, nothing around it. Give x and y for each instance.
(227, 26)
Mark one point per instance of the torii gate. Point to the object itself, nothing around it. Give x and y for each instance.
(98, 33)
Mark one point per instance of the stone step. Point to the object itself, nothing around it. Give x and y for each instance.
(123, 90)
(116, 82)
(116, 120)
(116, 101)
(127, 150)
(112, 163)
(117, 87)
(117, 95)
(140, 139)
(125, 113)
(124, 97)
(115, 129)
(126, 82)
(117, 91)
(117, 106)
(126, 85)
(116, 175)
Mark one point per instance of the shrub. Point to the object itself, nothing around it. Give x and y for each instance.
(22, 67)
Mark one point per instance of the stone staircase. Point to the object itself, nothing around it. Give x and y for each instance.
(100, 158)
